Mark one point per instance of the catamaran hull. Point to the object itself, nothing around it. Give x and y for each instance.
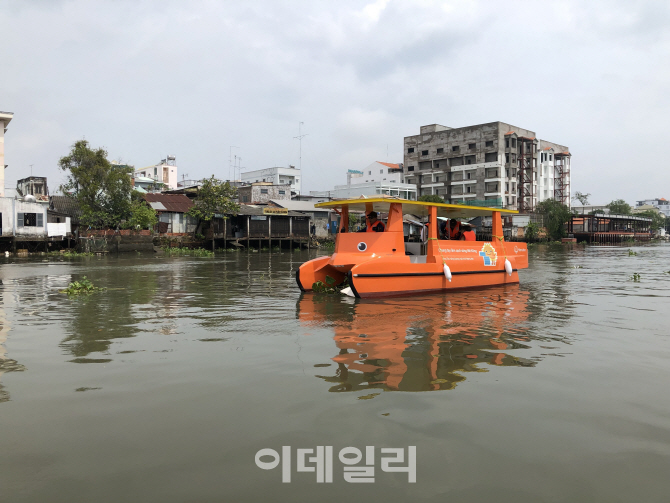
(408, 283)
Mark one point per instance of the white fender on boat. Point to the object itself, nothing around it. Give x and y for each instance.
(508, 267)
(347, 291)
(447, 272)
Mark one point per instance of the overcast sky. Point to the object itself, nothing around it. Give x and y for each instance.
(144, 79)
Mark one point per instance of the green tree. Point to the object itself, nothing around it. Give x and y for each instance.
(619, 207)
(532, 231)
(214, 196)
(101, 189)
(431, 199)
(556, 215)
(142, 216)
(658, 220)
(582, 198)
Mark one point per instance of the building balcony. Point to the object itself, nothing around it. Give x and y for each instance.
(461, 182)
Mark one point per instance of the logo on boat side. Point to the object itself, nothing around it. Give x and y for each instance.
(362, 246)
(489, 254)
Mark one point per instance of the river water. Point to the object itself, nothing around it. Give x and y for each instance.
(164, 386)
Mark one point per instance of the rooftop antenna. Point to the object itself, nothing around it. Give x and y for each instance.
(230, 160)
(299, 138)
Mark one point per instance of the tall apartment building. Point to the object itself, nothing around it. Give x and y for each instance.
(493, 164)
(5, 118)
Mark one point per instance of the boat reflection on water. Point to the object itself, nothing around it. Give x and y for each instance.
(425, 343)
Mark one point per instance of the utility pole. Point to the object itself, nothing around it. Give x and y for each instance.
(299, 138)
(230, 160)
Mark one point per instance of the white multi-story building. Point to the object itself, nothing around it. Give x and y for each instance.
(661, 204)
(369, 189)
(377, 172)
(277, 176)
(5, 118)
(377, 179)
(493, 164)
(164, 172)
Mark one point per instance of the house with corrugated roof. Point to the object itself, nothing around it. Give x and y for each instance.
(171, 209)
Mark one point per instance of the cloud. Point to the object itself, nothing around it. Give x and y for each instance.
(147, 78)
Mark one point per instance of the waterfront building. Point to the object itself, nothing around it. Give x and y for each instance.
(171, 209)
(277, 176)
(492, 164)
(164, 172)
(5, 119)
(27, 219)
(319, 217)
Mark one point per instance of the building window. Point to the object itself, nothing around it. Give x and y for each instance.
(472, 146)
(369, 172)
(550, 157)
(424, 152)
(282, 192)
(410, 150)
(245, 199)
(437, 165)
(469, 176)
(410, 168)
(489, 143)
(506, 143)
(491, 157)
(440, 150)
(454, 148)
(264, 191)
(513, 142)
(507, 158)
(381, 171)
(469, 189)
(437, 178)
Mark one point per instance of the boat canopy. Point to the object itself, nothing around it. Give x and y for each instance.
(418, 208)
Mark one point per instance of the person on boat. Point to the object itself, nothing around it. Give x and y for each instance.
(441, 229)
(467, 233)
(454, 231)
(373, 225)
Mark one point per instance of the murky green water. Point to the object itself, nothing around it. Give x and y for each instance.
(163, 387)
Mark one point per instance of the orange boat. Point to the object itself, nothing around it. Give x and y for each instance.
(377, 264)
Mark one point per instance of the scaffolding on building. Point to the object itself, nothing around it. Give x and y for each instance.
(527, 163)
(562, 177)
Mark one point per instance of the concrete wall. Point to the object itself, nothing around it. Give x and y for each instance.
(116, 244)
(262, 194)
